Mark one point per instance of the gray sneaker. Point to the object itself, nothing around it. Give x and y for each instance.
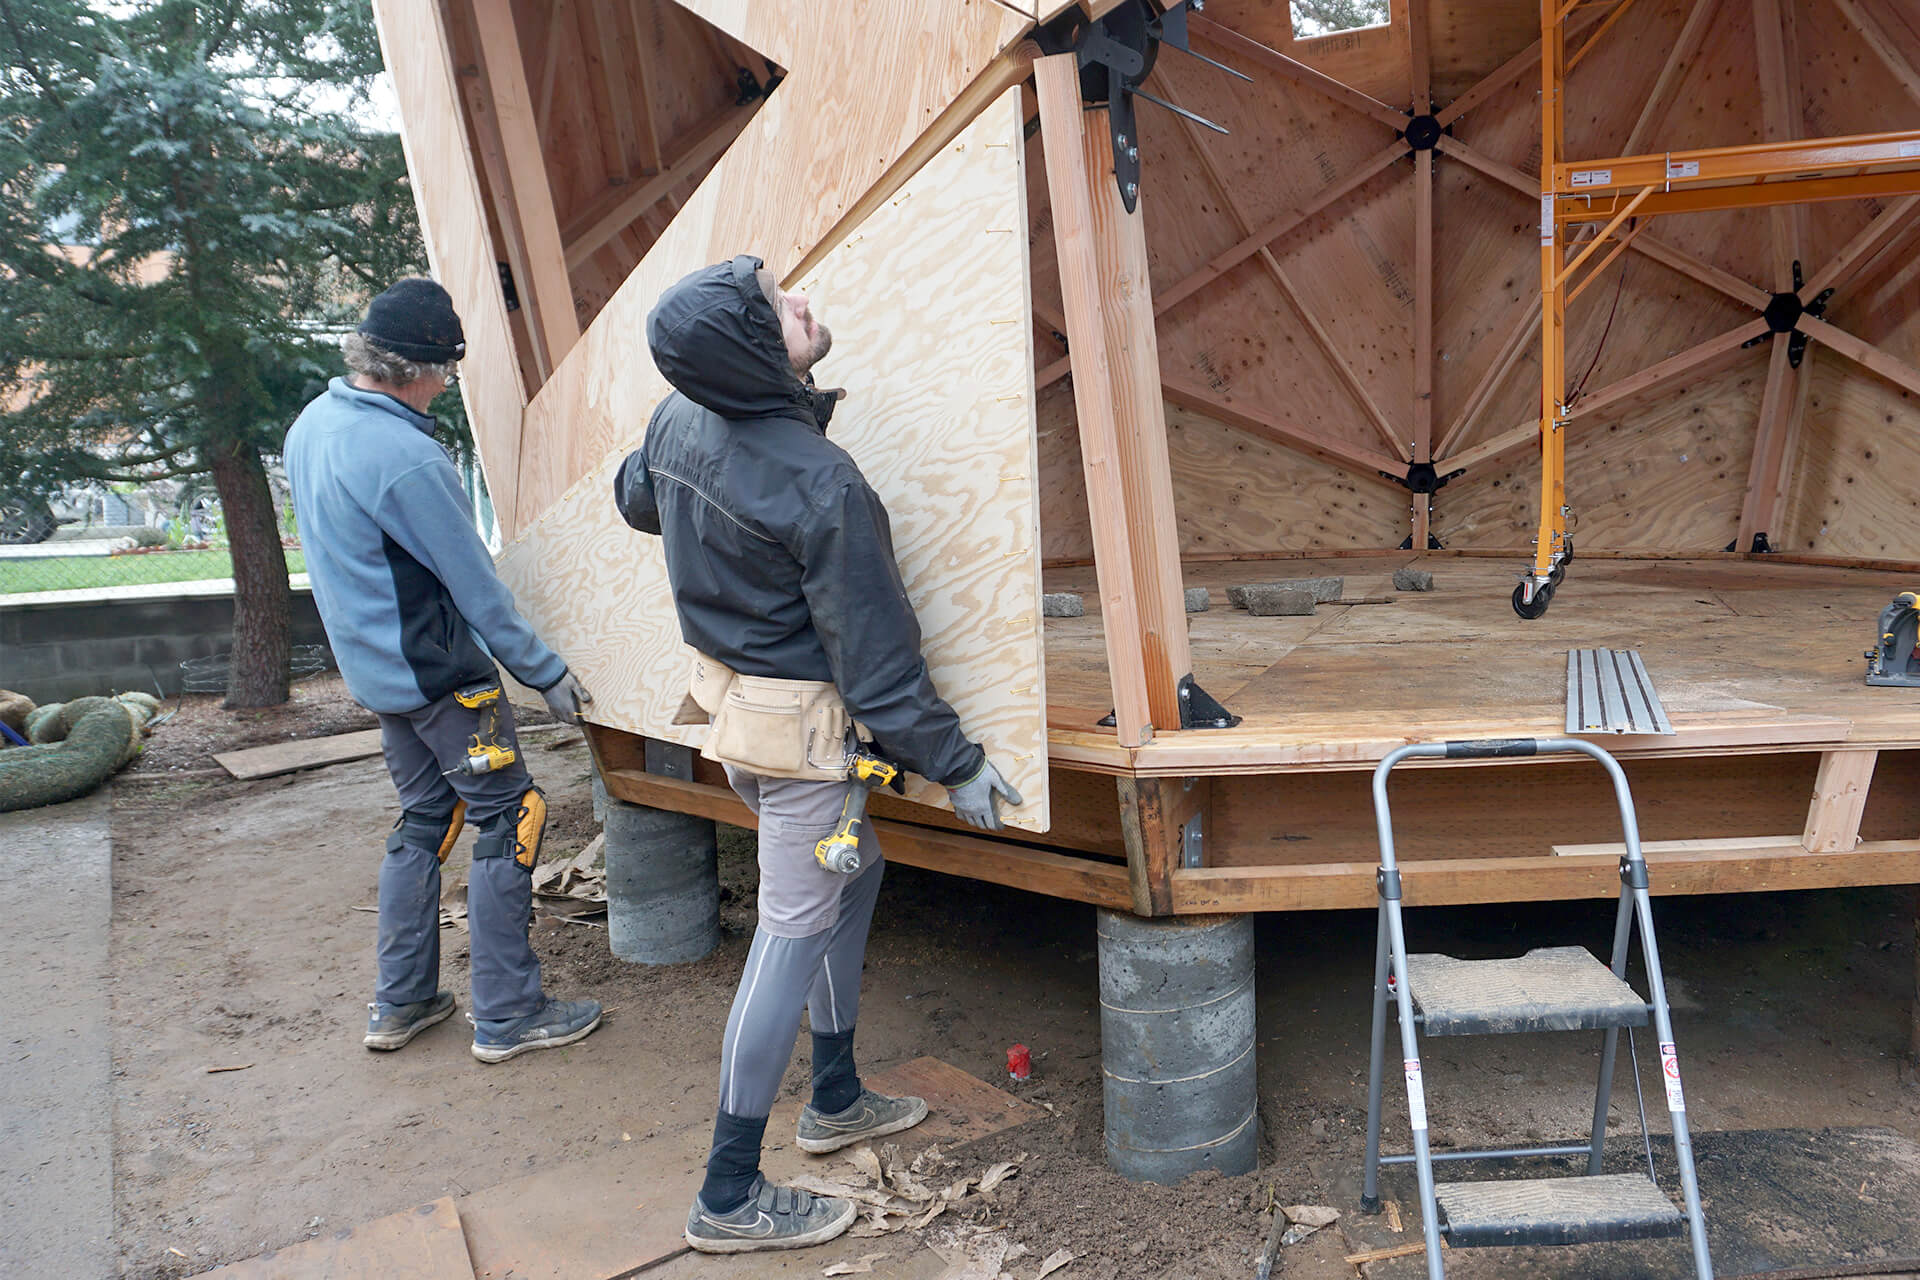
(872, 1115)
(772, 1218)
(553, 1024)
(391, 1025)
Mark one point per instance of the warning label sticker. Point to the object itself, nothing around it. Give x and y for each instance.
(1416, 1095)
(1592, 178)
(1670, 1076)
(1683, 168)
(1546, 219)
(1909, 149)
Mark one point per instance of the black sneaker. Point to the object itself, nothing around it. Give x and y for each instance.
(772, 1218)
(872, 1115)
(555, 1023)
(391, 1025)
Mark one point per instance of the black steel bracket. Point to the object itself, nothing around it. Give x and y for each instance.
(1423, 477)
(1783, 312)
(1198, 709)
(1423, 133)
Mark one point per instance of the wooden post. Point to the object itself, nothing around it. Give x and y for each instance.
(1839, 798)
(1154, 813)
(540, 267)
(1122, 417)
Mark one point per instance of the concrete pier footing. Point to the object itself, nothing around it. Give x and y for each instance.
(663, 885)
(1177, 1039)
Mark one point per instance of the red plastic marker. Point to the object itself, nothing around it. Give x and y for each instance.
(1019, 1062)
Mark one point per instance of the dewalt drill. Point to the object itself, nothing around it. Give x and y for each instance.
(841, 851)
(485, 751)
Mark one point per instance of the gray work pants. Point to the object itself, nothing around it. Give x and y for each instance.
(420, 746)
(811, 941)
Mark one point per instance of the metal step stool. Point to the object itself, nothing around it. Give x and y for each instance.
(1548, 989)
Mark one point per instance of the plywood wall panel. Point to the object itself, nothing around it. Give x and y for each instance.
(861, 90)
(928, 302)
(1668, 473)
(1856, 477)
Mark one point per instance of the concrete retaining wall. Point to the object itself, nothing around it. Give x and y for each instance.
(106, 643)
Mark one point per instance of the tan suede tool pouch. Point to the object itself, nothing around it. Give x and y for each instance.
(777, 728)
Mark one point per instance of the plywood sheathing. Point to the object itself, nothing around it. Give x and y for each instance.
(928, 302)
(1669, 74)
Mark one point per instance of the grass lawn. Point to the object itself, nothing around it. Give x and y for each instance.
(70, 573)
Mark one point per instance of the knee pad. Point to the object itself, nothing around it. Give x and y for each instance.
(429, 831)
(516, 833)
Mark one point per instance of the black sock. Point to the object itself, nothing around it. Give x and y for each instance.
(835, 1085)
(733, 1162)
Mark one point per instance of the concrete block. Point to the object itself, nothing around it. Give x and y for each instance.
(1197, 601)
(1412, 580)
(1321, 589)
(1177, 1045)
(663, 884)
(1268, 600)
(1063, 604)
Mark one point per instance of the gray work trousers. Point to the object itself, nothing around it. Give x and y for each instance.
(420, 746)
(811, 942)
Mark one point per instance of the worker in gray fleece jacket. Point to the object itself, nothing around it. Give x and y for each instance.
(408, 594)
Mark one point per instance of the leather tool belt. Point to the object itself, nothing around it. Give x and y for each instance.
(773, 727)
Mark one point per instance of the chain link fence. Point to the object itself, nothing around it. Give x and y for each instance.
(92, 537)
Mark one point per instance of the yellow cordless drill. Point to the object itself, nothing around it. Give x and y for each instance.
(485, 751)
(841, 851)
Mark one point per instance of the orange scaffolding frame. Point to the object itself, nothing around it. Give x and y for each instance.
(1621, 195)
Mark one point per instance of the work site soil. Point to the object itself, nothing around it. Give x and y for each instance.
(248, 1116)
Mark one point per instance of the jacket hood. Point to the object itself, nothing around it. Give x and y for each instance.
(715, 337)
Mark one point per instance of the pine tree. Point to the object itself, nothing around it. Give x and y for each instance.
(186, 203)
(1322, 17)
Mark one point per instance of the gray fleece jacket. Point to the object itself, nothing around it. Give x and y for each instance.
(403, 581)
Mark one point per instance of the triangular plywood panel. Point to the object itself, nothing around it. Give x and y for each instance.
(929, 303)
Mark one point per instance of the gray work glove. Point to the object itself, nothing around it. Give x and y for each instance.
(973, 800)
(566, 699)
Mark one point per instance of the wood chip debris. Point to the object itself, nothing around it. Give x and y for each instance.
(1054, 1262)
(242, 1066)
(890, 1194)
(862, 1267)
(574, 877)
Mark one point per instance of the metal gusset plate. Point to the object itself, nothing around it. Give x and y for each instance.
(1609, 691)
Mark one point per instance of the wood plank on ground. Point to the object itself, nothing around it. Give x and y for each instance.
(306, 753)
(624, 1210)
(422, 1243)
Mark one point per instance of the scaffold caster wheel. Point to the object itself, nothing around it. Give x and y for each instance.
(1536, 607)
(1556, 574)
(1566, 552)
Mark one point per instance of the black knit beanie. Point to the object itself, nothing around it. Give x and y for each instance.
(414, 318)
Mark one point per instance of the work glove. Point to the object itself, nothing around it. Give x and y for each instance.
(567, 699)
(973, 800)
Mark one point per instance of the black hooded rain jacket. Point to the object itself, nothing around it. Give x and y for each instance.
(780, 554)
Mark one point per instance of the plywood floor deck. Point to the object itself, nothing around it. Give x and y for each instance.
(1747, 655)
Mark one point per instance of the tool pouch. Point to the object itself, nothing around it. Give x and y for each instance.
(773, 727)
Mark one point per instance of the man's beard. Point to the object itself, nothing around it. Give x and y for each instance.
(822, 343)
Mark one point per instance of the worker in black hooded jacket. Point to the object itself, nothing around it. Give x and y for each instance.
(782, 566)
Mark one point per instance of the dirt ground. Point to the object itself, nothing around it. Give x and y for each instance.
(236, 941)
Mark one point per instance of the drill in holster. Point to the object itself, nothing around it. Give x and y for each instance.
(840, 852)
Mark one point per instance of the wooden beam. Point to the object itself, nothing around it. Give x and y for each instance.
(1242, 224)
(1223, 262)
(1363, 463)
(1873, 238)
(622, 206)
(1517, 341)
(1754, 866)
(1839, 799)
(1154, 813)
(1660, 251)
(1230, 41)
(974, 857)
(1892, 368)
(550, 64)
(1679, 58)
(1769, 445)
(1492, 450)
(653, 158)
(1619, 12)
(1881, 45)
(545, 292)
(1064, 142)
(1423, 284)
(1779, 105)
(602, 46)
(1420, 55)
